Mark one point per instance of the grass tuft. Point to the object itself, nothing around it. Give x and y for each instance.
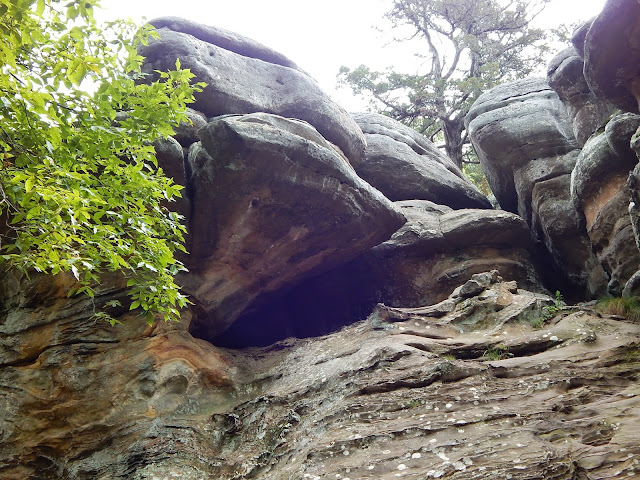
(628, 308)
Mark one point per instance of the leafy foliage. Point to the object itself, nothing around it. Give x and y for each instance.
(80, 187)
(550, 311)
(475, 174)
(468, 47)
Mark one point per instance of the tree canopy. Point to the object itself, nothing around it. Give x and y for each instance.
(80, 187)
(466, 47)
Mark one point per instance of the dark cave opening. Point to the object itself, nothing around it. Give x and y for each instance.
(332, 300)
(318, 306)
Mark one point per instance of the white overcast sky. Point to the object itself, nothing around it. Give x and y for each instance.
(319, 36)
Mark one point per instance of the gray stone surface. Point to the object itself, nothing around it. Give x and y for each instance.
(244, 77)
(566, 77)
(274, 203)
(600, 194)
(404, 165)
(612, 56)
(525, 141)
(513, 124)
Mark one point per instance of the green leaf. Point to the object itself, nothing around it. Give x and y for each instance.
(40, 8)
(28, 184)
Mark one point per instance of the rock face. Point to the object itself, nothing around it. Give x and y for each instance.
(599, 191)
(245, 77)
(526, 145)
(566, 77)
(404, 165)
(474, 387)
(439, 354)
(296, 208)
(436, 250)
(612, 56)
(513, 124)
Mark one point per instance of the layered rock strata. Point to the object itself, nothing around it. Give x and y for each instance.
(436, 250)
(477, 386)
(405, 165)
(274, 203)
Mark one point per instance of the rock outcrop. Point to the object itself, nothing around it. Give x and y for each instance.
(478, 386)
(274, 202)
(600, 193)
(612, 56)
(405, 165)
(527, 148)
(245, 77)
(436, 250)
(514, 124)
(566, 77)
(433, 350)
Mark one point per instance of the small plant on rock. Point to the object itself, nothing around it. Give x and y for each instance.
(550, 311)
(498, 352)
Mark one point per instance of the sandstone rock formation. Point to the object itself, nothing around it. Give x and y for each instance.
(436, 250)
(566, 77)
(527, 148)
(611, 70)
(612, 56)
(475, 387)
(513, 124)
(245, 77)
(599, 191)
(460, 366)
(404, 165)
(274, 202)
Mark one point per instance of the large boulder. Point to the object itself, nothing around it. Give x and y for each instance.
(600, 193)
(245, 77)
(566, 77)
(435, 251)
(513, 124)
(273, 203)
(405, 165)
(612, 54)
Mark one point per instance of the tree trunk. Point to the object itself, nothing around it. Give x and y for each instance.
(452, 129)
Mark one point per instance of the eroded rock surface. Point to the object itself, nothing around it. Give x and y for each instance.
(436, 250)
(405, 165)
(478, 386)
(513, 124)
(274, 203)
(600, 192)
(612, 55)
(566, 77)
(246, 77)
(525, 141)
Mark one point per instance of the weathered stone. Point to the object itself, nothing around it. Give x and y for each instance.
(557, 224)
(472, 388)
(404, 165)
(274, 202)
(566, 77)
(170, 157)
(612, 54)
(600, 193)
(187, 132)
(531, 167)
(579, 36)
(513, 124)
(244, 77)
(421, 264)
